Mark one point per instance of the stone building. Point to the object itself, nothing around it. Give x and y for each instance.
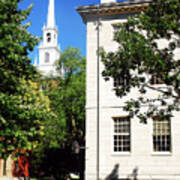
(118, 147)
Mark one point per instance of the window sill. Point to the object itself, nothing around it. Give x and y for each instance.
(121, 153)
(161, 153)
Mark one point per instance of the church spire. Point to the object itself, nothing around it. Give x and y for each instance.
(49, 50)
(51, 15)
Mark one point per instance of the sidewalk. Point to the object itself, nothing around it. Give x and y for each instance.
(8, 178)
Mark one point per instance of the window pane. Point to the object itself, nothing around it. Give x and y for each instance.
(121, 134)
(161, 135)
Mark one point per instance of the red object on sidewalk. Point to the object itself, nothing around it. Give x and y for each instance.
(21, 165)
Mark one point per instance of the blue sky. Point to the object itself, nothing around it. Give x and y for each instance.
(72, 31)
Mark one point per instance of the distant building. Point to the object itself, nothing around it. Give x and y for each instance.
(49, 50)
(118, 147)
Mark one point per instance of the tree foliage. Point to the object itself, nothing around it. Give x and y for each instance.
(148, 50)
(15, 44)
(66, 93)
(67, 100)
(23, 123)
(23, 107)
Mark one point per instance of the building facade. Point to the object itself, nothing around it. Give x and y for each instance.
(49, 50)
(118, 147)
(9, 169)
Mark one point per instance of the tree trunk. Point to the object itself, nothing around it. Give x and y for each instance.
(4, 167)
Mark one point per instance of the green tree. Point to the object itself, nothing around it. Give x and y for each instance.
(66, 93)
(67, 99)
(140, 59)
(23, 107)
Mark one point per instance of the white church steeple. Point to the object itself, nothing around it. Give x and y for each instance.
(51, 15)
(49, 50)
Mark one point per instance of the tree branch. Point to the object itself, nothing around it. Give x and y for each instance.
(160, 90)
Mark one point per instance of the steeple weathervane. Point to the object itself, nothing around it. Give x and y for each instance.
(51, 15)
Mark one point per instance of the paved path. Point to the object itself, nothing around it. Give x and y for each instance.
(8, 178)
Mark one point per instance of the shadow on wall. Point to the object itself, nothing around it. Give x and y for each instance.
(133, 175)
(114, 174)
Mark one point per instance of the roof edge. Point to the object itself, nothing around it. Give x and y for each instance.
(108, 9)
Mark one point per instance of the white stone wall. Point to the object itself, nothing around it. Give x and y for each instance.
(54, 36)
(48, 68)
(9, 165)
(149, 165)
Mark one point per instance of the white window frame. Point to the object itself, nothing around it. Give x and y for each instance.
(113, 133)
(160, 153)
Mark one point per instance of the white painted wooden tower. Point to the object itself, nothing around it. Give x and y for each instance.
(49, 50)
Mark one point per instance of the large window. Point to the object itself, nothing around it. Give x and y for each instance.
(121, 137)
(161, 135)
